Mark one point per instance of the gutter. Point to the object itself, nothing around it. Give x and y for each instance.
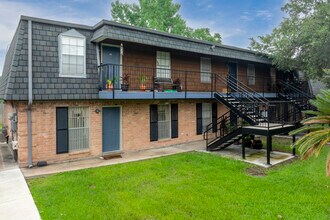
(29, 109)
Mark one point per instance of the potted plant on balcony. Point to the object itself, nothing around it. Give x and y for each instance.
(143, 78)
(110, 83)
(177, 85)
(125, 83)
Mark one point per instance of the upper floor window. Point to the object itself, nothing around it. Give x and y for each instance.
(251, 74)
(72, 54)
(205, 70)
(163, 64)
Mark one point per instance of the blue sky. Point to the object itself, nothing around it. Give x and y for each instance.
(235, 20)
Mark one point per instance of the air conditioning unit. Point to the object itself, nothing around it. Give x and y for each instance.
(14, 145)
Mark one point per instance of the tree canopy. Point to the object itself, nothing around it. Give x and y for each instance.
(302, 40)
(161, 15)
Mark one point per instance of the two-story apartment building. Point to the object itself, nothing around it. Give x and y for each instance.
(84, 91)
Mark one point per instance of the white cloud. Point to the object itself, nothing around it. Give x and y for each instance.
(264, 14)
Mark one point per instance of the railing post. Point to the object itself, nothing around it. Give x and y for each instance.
(153, 83)
(185, 84)
(263, 88)
(212, 79)
(113, 82)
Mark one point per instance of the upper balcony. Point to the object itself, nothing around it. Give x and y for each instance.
(138, 82)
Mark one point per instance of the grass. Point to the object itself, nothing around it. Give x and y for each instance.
(186, 186)
(279, 144)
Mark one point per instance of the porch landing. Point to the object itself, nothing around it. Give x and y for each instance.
(253, 156)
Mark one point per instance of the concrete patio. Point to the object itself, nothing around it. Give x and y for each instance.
(253, 156)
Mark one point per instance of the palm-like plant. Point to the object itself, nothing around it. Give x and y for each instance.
(319, 127)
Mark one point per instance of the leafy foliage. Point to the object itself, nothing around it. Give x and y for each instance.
(319, 125)
(161, 15)
(302, 40)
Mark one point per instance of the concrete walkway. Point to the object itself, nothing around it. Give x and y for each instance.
(127, 157)
(16, 202)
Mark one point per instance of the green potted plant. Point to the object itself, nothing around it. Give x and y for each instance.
(125, 83)
(110, 83)
(143, 78)
(177, 85)
(247, 141)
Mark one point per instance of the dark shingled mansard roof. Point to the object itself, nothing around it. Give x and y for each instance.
(47, 85)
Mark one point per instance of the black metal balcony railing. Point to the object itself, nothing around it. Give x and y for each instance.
(114, 77)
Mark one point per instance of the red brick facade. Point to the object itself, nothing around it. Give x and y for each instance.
(135, 127)
(145, 56)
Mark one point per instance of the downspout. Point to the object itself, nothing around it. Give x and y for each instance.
(29, 109)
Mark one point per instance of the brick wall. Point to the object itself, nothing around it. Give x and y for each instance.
(145, 56)
(135, 128)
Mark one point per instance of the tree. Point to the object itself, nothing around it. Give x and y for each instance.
(319, 125)
(162, 15)
(302, 40)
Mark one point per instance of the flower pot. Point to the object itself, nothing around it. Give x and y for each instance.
(247, 144)
(257, 144)
(124, 87)
(109, 87)
(143, 87)
(177, 87)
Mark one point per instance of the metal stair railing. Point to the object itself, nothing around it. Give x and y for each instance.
(223, 127)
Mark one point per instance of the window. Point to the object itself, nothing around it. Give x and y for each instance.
(164, 121)
(205, 70)
(163, 64)
(206, 115)
(72, 54)
(78, 119)
(251, 74)
(72, 129)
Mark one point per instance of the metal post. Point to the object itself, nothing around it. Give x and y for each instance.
(294, 148)
(153, 84)
(113, 82)
(269, 148)
(243, 148)
(185, 84)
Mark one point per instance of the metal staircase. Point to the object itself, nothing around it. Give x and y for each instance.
(289, 92)
(226, 133)
(248, 109)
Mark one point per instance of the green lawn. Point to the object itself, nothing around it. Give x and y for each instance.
(186, 186)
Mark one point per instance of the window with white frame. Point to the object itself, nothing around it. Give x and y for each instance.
(164, 121)
(163, 64)
(206, 115)
(72, 54)
(205, 70)
(78, 127)
(251, 74)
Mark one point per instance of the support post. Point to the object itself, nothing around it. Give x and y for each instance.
(269, 147)
(243, 147)
(294, 148)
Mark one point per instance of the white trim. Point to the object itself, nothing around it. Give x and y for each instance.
(201, 71)
(74, 34)
(170, 120)
(120, 128)
(253, 76)
(170, 63)
(89, 128)
(98, 54)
